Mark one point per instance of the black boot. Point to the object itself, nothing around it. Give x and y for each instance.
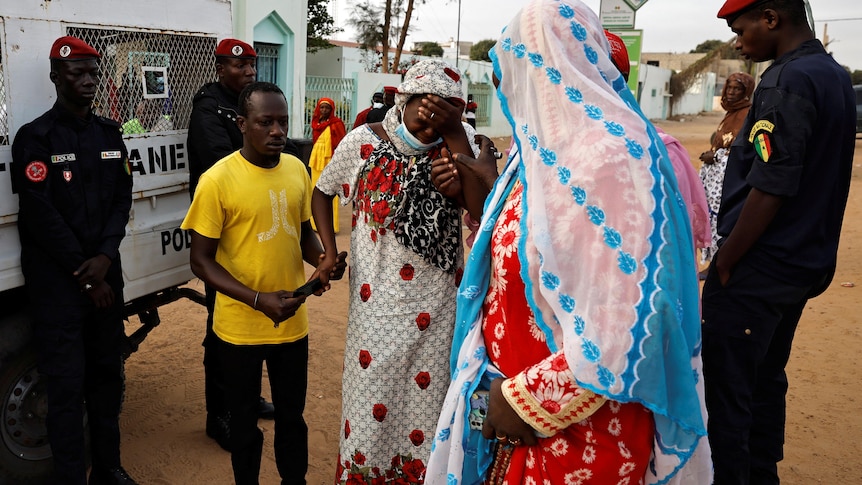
(218, 428)
(265, 410)
(111, 476)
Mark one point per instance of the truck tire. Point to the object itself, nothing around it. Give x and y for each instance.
(25, 455)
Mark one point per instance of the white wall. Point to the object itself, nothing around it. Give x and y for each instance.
(699, 96)
(653, 82)
(290, 15)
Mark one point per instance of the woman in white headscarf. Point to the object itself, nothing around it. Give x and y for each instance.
(578, 332)
(406, 262)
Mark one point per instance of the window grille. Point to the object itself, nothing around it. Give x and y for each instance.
(267, 62)
(127, 57)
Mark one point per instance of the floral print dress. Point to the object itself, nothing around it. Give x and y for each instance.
(589, 440)
(406, 261)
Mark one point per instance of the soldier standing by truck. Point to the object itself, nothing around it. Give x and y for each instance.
(213, 135)
(70, 169)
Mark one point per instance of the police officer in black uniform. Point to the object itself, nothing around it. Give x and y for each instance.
(214, 134)
(785, 190)
(70, 170)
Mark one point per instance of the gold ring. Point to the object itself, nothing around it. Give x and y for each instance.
(502, 439)
(432, 116)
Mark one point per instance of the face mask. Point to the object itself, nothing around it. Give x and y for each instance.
(414, 142)
(377, 105)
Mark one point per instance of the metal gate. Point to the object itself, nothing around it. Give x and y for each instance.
(342, 91)
(482, 97)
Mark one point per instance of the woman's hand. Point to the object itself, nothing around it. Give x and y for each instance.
(445, 177)
(331, 268)
(503, 423)
(708, 157)
(441, 115)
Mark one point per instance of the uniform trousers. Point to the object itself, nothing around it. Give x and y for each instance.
(748, 329)
(242, 367)
(80, 359)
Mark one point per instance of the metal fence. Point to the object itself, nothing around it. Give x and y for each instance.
(156, 68)
(482, 97)
(342, 91)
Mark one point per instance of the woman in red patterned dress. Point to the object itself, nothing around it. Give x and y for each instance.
(578, 317)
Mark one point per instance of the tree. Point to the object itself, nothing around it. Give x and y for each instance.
(479, 51)
(366, 19)
(430, 49)
(320, 26)
(725, 48)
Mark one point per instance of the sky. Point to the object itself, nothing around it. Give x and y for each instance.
(668, 25)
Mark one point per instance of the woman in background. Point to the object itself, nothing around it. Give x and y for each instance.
(327, 131)
(736, 101)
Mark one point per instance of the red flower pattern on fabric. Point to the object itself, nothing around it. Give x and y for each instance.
(379, 412)
(407, 272)
(359, 458)
(417, 437)
(346, 189)
(365, 359)
(346, 428)
(423, 380)
(365, 292)
(365, 150)
(423, 320)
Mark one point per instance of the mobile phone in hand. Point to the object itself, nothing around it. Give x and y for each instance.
(309, 288)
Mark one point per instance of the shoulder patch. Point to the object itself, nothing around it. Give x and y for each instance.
(36, 171)
(760, 137)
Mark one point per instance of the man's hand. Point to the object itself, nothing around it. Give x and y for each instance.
(280, 305)
(100, 293)
(93, 270)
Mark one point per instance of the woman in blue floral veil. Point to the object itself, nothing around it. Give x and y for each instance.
(578, 321)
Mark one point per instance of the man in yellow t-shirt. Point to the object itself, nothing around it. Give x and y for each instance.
(251, 231)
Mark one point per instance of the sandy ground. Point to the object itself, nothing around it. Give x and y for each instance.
(163, 417)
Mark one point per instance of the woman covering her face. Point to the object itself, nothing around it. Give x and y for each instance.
(406, 262)
(575, 356)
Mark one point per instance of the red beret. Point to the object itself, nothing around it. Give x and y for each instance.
(390, 89)
(70, 48)
(734, 7)
(234, 48)
(619, 53)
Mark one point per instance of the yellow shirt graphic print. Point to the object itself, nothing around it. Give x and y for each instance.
(255, 213)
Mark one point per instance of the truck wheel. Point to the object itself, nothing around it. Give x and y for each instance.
(25, 455)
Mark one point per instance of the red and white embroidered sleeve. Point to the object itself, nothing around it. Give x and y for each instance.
(547, 397)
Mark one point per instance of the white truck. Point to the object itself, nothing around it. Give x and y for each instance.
(156, 53)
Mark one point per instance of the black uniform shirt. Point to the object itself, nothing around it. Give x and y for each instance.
(213, 132)
(74, 195)
(797, 142)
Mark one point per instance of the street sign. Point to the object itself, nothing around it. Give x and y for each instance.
(617, 14)
(636, 4)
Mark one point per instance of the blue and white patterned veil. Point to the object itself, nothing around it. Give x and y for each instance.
(607, 256)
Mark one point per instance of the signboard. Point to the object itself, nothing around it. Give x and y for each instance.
(617, 14)
(636, 4)
(633, 39)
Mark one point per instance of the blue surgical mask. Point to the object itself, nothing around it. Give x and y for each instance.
(414, 142)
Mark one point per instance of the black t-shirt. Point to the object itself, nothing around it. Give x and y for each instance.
(797, 142)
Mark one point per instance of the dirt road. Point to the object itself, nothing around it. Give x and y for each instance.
(163, 418)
